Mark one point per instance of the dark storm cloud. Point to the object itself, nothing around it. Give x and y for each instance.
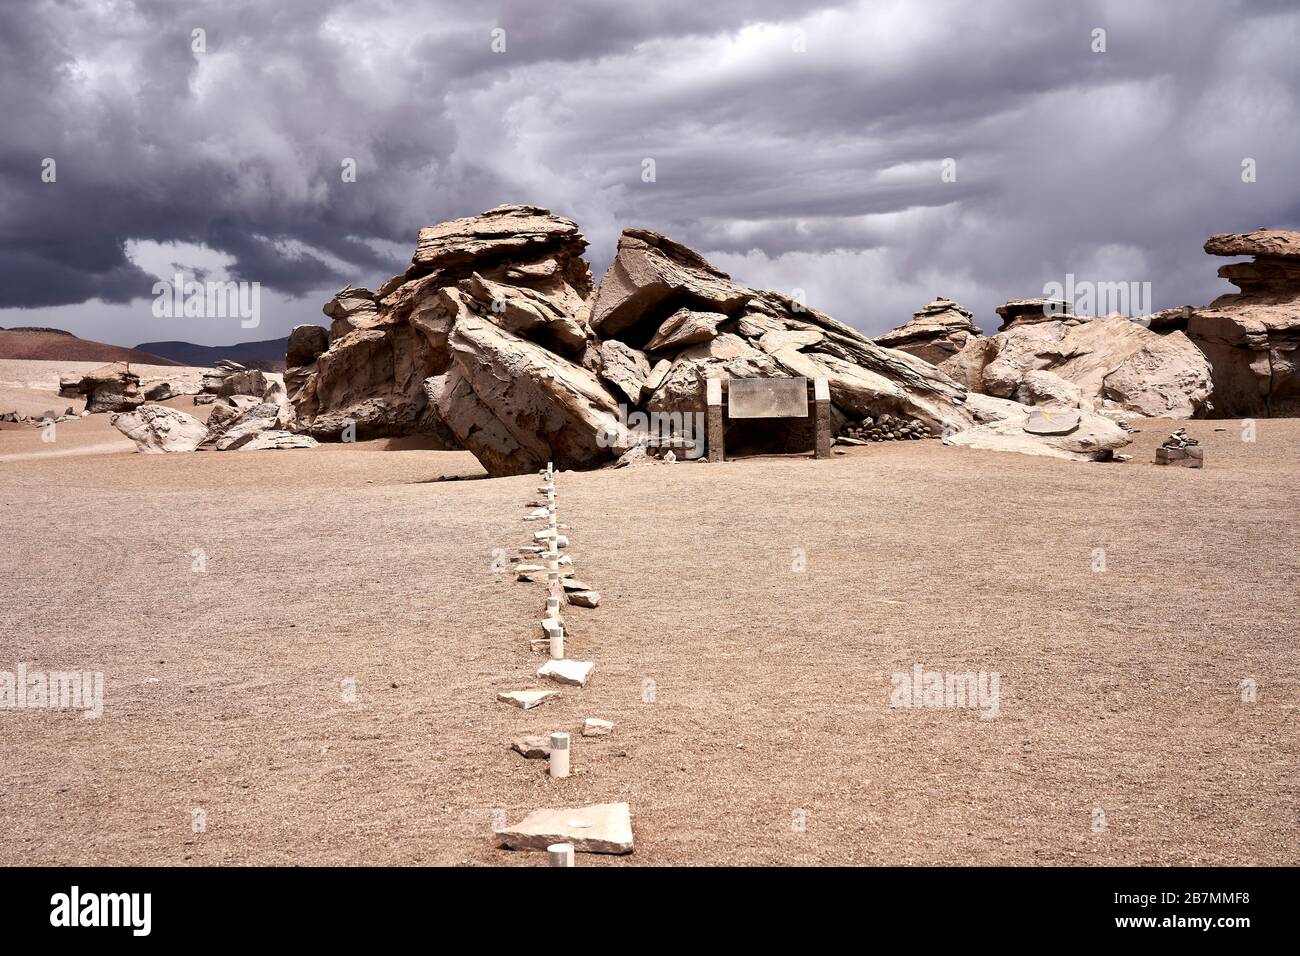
(802, 148)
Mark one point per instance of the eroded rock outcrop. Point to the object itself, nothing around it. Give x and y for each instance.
(937, 332)
(1252, 338)
(1112, 365)
(519, 268)
(495, 340)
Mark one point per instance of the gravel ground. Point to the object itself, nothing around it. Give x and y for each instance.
(751, 699)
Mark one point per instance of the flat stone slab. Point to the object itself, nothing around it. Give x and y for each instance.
(527, 699)
(541, 575)
(532, 747)
(584, 598)
(1057, 421)
(567, 672)
(600, 828)
(595, 727)
(573, 584)
(767, 398)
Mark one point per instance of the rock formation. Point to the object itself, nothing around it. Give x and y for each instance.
(1251, 338)
(495, 340)
(110, 388)
(1043, 355)
(937, 332)
(156, 429)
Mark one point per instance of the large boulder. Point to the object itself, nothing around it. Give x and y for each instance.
(552, 408)
(649, 271)
(156, 429)
(306, 342)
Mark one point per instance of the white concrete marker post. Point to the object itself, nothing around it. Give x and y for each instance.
(559, 854)
(559, 755)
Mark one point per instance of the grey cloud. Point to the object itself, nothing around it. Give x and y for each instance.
(800, 168)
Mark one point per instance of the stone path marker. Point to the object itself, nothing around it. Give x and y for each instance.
(595, 727)
(532, 746)
(527, 699)
(567, 672)
(559, 854)
(559, 760)
(600, 828)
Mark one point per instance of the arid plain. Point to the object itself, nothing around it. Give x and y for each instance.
(1121, 736)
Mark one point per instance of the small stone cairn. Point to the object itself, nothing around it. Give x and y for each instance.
(1181, 448)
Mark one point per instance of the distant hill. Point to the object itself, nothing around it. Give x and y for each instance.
(267, 355)
(55, 345)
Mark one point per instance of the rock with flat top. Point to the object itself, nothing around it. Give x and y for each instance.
(532, 747)
(584, 598)
(567, 672)
(600, 828)
(527, 699)
(595, 727)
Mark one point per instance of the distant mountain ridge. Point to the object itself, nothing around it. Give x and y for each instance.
(35, 344)
(267, 355)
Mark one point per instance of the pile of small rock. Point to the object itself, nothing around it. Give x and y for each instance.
(1181, 448)
(885, 427)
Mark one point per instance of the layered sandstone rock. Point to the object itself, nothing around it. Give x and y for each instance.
(937, 332)
(1252, 338)
(494, 340)
(1108, 365)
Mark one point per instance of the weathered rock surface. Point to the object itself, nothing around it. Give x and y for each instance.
(937, 332)
(527, 699)
(1003, 428)
(600, 828)
(567, 672)
(494, 340)
(595, 727)
(532, 746)
(1107, 364)
(1252, 338)
(650, 271)
(110, 388)
(156, 429)
(624, 367)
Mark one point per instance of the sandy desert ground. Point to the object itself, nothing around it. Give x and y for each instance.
(1120, 689)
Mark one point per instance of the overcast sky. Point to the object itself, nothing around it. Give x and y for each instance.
(797, 150)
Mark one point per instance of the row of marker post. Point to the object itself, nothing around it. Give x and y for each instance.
(558, 854)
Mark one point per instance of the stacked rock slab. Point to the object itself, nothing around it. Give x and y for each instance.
(495, 341)
(1252, 338)
(479, 344)
(937, 332)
